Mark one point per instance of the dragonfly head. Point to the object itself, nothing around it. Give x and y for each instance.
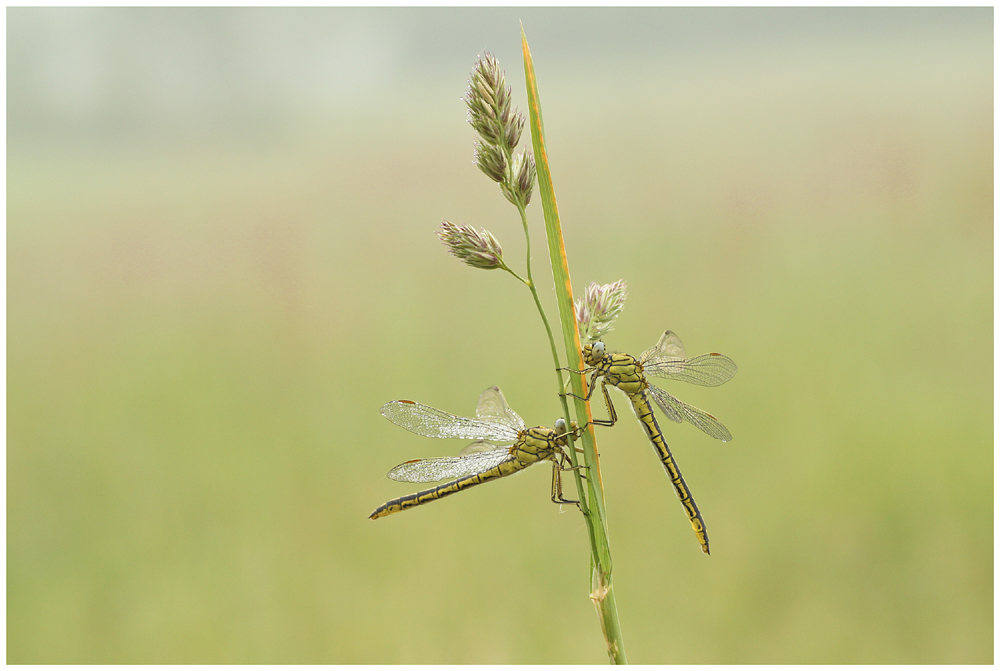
(593, 353)
(562, 432)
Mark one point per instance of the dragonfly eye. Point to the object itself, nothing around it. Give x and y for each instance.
(560, 426)
(598, 350)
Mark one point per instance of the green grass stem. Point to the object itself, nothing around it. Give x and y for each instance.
(591, 494)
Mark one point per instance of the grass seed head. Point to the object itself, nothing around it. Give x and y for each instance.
(600, 306)
(478, 249)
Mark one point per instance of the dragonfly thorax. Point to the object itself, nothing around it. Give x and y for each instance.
(537, 443)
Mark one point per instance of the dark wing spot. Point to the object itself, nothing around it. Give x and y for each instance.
(410, 402)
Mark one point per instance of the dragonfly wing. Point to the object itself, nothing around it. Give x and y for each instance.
(479, 446)
(433, 423)
(708, 370)
(689, 413)
(669, 410)
(492, 407)
(668, 347)
(446, 468)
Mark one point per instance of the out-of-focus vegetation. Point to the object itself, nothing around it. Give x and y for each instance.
(204, 318)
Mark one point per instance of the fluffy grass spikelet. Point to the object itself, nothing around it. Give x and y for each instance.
(524, 175)
(478, 249)
(499, 125)
(490, 111)
(599, 307)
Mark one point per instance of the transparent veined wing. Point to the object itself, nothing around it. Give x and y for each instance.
(671, 412)
(668, 347)
(480, 446)
(708, 370)
(492, 407)
(678, 410)
(447, 468)
(433, 423)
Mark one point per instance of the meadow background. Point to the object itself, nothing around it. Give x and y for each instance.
(221, 262)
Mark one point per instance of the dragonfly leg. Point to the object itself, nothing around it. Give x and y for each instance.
(564, 458)
(578, 372)
(578, 467)
(611, 407)
(590, 389)
(557, 493)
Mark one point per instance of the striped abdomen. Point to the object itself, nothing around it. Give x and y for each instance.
(643, 410)
(448, 488)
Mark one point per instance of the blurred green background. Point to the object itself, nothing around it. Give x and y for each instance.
(221, 262)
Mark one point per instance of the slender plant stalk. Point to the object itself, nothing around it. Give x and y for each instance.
(499, 126)
(602, 589)
(584, 505)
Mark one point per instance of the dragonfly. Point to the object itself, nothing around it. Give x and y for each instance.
(666, 359)
(503, 446)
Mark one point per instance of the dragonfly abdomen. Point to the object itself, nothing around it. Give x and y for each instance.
(446, 489)
(644, 411)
